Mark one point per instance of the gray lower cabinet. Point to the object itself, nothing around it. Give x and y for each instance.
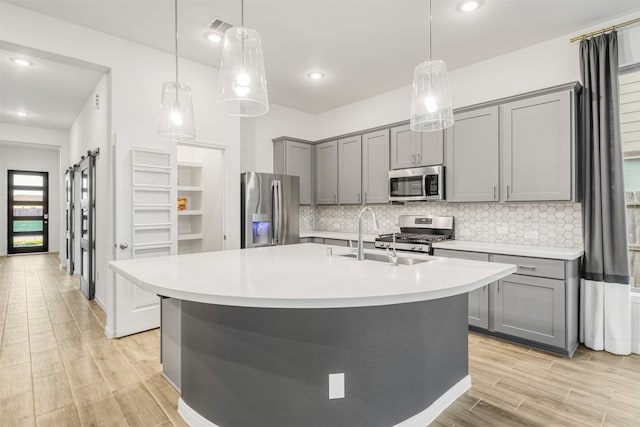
(375, 165)
(327, 173)
(473, 156)
(350, 170)
(538, 305)
(295, 158)
(336, 242)
(532, 308)
(411, 149)
(478, 299)
(537, 141)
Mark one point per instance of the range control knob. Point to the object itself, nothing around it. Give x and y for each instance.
(413, 247)
(419, 247)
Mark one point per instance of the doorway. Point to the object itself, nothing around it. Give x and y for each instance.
(28, 212)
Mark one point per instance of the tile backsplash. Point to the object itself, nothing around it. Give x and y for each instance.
(538, 224)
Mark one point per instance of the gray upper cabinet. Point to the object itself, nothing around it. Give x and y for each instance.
(537, 142)
(295, 158)
(350, 170)
(472, 172)
(430, 150)
(414, 149)
(375, 165)
(327, 173)
(403, 147)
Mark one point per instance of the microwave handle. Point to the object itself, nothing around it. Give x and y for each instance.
(424, 185)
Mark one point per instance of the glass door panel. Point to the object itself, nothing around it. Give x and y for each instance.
(28, 194)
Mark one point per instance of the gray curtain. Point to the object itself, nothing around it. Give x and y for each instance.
(603, 202)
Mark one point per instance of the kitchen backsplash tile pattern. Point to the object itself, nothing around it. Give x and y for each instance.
(538, 224)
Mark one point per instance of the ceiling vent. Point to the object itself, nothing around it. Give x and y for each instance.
(220, 26)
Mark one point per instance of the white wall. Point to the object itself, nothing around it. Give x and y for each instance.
(38, 139)
(258, 132)
(38, 158)
(543, 65)
(135, 78)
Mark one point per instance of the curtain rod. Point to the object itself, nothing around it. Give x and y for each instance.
(604, 30)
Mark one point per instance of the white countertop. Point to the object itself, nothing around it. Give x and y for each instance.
(566, 254)
(303, 276)
(340, 236)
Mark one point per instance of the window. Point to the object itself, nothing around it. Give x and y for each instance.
(629, 81)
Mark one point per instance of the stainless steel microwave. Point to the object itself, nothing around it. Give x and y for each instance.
(415, 184)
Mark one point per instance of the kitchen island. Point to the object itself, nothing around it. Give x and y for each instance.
(291, 336)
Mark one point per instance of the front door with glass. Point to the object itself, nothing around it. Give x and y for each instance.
(28, 217)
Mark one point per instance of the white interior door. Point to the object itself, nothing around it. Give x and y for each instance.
(144, 226)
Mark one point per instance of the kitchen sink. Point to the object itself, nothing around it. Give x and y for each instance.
(387, 258)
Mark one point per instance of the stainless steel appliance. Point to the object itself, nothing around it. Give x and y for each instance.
(417, 233)
(269, 207)
(415, 184)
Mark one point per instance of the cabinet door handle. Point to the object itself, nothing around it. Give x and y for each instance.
(495, 192)
(413, 159)
(507, 192)
(358, 197)
(418, 158)
(498, 287)
(365, 197)
(527, 267)
(335, 199)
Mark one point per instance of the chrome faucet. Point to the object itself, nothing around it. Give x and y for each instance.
(375, 224)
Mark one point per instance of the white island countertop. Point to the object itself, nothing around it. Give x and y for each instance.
(304, 276)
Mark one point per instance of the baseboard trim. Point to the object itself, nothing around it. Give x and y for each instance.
(426, 417)
(429, 415)
(191, 417)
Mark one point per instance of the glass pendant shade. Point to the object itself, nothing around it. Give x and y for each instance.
(176, 112)
(431, 108)
(242, 84)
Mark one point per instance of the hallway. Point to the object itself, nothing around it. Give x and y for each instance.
(57, 367)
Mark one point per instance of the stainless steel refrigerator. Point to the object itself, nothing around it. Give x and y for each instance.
(269, 205)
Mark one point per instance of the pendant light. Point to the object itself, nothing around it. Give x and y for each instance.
(242, 85)
(176, 106)
(431, 108)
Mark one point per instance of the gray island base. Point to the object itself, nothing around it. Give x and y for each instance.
(403, 364)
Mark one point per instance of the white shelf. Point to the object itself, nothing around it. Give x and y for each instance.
(190, 188)
(198, 236)
(190, 164)
(190, 212)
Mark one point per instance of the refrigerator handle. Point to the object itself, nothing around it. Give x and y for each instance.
(277, 211)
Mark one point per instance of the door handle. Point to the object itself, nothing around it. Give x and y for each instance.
(365, 197)
(358, 197)
(507, 192)
(413, 159)
(495, 190)
(124, 246)
(418, 158)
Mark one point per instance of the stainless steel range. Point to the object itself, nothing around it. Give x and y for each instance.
(417, 233)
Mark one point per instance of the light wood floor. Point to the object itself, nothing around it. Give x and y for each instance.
(58, 369)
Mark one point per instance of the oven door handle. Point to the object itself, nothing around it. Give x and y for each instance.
(424, 185)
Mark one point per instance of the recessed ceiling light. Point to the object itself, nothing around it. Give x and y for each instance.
(469, 5)
(213, 37)
(22, 114)
(315, 75)
(21, 62)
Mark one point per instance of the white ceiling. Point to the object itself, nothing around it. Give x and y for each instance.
(52, 92)
(365, 47)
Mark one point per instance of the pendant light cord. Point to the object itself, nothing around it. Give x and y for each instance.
(175, 22)
(430, 25)
(242, 13)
